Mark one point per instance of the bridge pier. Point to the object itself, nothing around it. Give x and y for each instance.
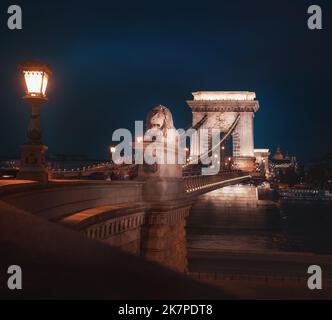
(164, 237)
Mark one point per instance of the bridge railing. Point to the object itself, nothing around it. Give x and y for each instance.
(202, 182)
(105, 170)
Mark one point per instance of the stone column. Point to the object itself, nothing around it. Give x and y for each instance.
(164, 237)
(163, 233)
(244, 132)
(33, 164)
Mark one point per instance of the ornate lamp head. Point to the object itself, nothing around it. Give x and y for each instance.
(36, 75)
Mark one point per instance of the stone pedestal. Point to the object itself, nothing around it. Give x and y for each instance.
(163, 182)
(33, 163)
(163, 233)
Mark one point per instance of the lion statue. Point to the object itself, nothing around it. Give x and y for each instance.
(159, 119)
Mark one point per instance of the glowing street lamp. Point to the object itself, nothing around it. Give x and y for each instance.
(33, 164)
(36, 76)
(36, 80)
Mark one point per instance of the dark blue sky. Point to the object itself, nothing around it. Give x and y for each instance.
(114, 60)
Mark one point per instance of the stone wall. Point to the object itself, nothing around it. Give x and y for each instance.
(164, 237)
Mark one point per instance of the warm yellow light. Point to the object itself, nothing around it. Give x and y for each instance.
(229, 159)
(113, 149)
(33, 81)
(139, 139)
(36, 76)
(45, 82)
(224, 95)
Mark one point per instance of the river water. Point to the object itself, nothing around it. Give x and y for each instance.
(231, 219)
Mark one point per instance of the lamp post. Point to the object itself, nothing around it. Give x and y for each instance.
(33, 163)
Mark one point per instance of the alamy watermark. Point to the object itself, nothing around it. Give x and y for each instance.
(14, 281)
(168, 146)
(14, 21)
(315, 21)
(315, 280)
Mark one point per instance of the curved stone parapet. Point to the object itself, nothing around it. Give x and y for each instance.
(62, 198)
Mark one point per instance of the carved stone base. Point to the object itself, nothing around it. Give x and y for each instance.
(33, 163)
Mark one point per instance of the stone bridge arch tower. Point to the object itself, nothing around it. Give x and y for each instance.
(221, 109)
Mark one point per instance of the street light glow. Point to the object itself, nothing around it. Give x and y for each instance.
(36, 75)
(36, 82)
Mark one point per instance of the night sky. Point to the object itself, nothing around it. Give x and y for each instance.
(115, 60)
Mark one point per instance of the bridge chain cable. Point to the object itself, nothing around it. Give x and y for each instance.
(224, 138)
